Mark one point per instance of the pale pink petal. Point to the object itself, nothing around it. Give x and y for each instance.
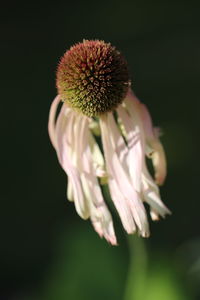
(117, 142)
(147, 122)
(53, 138)
(52, 119)
(99, 213)
(134, 140)
(122, 205)
(154, 201)
(97, 157)
(152, 196)
(65, 145)
(158, 154)
(118, 198)
(153, 146)
(123, 194)
(150, 190)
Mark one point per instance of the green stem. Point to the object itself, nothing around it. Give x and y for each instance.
(135, 286)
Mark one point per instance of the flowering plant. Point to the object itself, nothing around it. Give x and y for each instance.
(94, 85)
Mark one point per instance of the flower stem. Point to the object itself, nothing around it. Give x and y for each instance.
(135, 286)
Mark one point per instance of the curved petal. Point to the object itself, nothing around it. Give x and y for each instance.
(65, 145)
(125, 198)
(154, 147)
(158, 154)
(152, 196)
(97, 157)
(99, 213)
(134, 140)
(149, 136)
(52, 119)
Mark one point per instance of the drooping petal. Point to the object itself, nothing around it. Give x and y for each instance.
(117, 142)
(152, 196)
(150, 191)
(65, 145)
(99, 213)
(70, 136)
(118, 198)
(52, 120)
(53, 138)
(125, 198)
(97, 157)
(158, 154)
(134, 140)
(153, 145)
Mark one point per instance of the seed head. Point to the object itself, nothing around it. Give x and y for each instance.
(92, 77)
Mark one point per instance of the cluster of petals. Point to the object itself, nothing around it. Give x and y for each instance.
(127, 136)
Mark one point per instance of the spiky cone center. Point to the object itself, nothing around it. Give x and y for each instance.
(92, 77)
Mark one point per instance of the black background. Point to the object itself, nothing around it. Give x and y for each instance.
(39, 228)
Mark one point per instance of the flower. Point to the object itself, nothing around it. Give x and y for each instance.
(93, 84)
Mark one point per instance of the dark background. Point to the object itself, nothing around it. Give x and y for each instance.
(47, 251)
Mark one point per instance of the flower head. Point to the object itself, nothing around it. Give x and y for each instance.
(92, 77)
(93, 83)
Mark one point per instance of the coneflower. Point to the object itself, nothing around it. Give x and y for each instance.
(94, 85)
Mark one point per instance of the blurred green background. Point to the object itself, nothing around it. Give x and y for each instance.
(47, 252)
